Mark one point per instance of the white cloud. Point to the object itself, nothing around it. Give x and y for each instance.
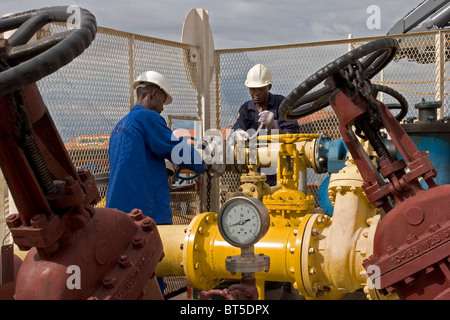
(239, 23)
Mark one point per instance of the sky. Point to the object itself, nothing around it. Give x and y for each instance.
(242, 23)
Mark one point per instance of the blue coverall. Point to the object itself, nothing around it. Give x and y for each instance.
(248, 119)
(138, 146)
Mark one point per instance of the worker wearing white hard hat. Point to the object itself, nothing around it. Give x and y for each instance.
(153, 77)
(262, 108)
(258, 76)
(138, 147)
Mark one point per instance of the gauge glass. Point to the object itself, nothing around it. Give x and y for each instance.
(241, 223)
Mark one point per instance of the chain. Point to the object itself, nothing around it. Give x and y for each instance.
(353, 74)
(208, 191)
(371, 123)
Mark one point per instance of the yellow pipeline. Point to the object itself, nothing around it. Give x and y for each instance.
(304, 254)
(172, 237)
(200, 252)
(321, 256)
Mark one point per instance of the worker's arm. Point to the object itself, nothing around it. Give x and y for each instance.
(163, 143)
(241, 119)
(288, 126)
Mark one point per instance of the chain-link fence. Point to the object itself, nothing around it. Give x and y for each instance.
(417, 72)
(90, 95)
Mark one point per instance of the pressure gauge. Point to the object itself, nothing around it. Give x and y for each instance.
(243, 221)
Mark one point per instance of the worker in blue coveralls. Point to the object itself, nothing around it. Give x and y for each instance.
(263, 106)
(138, 147)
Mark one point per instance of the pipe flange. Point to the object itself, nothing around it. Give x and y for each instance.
(196, 267)
(320, 164)
(369, 288)
(312, 275)
(309, 276)
(255, 263)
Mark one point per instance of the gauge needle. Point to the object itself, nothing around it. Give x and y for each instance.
(240, 222)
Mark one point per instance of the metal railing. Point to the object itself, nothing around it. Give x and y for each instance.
(418, 72)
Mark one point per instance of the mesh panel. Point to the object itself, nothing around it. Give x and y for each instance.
(90, 95)
(417, 72)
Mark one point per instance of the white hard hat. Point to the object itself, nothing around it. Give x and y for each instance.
(258, 76)
(156, 78)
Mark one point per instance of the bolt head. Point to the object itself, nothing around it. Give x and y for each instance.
(148, 225)
(124, 262)
(39, 220)
(109, 282)
(138, 242)
(13, 220)
(136, 214)
(248, 293)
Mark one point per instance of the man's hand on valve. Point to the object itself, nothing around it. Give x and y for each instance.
(268, 119)
(170, 168)
(239, 135)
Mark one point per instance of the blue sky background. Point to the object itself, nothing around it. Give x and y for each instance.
(239, 23)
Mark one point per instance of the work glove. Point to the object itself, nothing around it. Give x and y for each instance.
(239, 135)
(268, 119)
(170, 168)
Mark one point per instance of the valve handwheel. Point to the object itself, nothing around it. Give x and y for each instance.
(300, 102)
(413, 215)
(28, 63)
(403, 104)
(191, 174)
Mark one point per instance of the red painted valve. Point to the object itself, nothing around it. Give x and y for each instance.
(412, 242)
(245, 290)
(76, 251)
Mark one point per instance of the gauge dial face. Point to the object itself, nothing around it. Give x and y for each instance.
(242, 223)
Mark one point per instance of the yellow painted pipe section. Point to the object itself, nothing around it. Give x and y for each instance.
(172, 237)
(321, 256)
(206, 251)
(200, 252)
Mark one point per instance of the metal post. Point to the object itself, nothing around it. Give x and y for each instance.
(132, 69)
(350, 45)
(439, 93)
(197, 32)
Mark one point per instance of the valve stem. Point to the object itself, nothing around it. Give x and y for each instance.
(375, 140)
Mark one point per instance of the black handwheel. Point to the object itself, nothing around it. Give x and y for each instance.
(190, 177)
(299, 102)
(402, 105)
(193, 174)
(28, 63)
